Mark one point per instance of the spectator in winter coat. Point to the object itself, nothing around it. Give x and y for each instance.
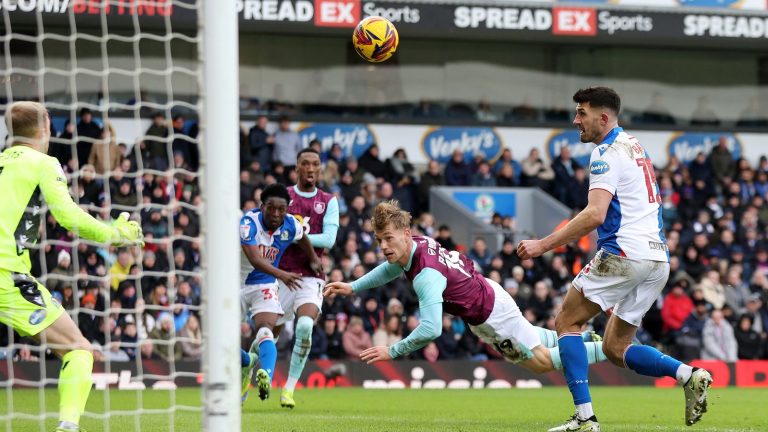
(719, 342)
(748, 340)
(457, 172)
(677, 307)
(355, 339)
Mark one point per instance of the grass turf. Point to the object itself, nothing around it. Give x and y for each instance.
(355, 409)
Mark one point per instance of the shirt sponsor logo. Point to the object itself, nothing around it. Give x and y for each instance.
(599, 167)
(686, 146)
(657, 246)
(502, 18)
(731, 26)
(580, 152)
(276, 10)
(337, 13)
(354, 139)
(439, 143)
(37, 316)
(568, 21)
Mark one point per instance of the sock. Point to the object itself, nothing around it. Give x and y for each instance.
(594, 354)
(75, 383)
(548, 338)
(584, 411)
(573, 355)
(245, 359)
(300, 350)
(649, 361)
(683, 373)
(267, 350)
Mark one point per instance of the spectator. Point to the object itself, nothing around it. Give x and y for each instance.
(154, 147)
(444, 237)
(506, 158)
(748, 340)
(721, 161)
(192, 342)
(457, 172)
(371, 163)
(287, 144)
(535, 172)
(388, 334)
(719, 342)
(261, 143)
(506, 176)
(120, 269)
(689, 339)
(578, 189)
(483, 177)
(355, 339)
(677, 307)
(89, 323)
(714, 291)
(105, 154)
(432, 177)
(480, 254)
(564, 168)
(162, 336)
(88, 132)
(333, 335)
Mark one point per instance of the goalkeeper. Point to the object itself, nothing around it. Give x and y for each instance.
(27, 176)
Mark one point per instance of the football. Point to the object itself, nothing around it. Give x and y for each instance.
(375, 39)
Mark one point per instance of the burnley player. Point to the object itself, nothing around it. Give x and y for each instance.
(447, 281)
(265, 234)
(319, 211)
(630, 268)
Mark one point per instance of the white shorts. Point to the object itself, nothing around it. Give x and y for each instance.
(259, 298)
(311, 292)
(627, 286)
(507, 329)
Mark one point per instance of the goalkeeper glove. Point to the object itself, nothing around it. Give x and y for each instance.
(126, 233)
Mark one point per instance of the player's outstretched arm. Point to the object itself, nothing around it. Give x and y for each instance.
(122, 232)
(327, 238)
(584, 223)
(290, 279)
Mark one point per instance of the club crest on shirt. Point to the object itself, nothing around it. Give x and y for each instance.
(245, 230)
(319, 207)
(599, 167)
(284, 235)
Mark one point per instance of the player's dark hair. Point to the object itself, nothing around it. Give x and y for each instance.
(276, 190)
(599, 97)
(305, 151)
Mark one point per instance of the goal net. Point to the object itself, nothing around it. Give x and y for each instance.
(124, 83)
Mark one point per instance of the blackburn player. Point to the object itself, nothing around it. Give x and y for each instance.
(265, 234)
(629, 269)
(27, 176)
(319, 211)
(447, 281)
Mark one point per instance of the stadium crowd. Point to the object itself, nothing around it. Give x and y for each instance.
(714, 210)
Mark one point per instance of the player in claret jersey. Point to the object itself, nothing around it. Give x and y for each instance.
(630, 268)
(446, 281)
(265, 234)
(319, 212)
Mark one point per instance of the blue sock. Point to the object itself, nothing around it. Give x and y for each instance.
(268, 356)
(649, 361)
(245, 359)
(573, 355)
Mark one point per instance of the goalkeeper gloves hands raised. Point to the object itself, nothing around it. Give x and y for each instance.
(126, 232)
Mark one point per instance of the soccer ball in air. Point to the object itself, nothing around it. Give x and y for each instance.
(375, 39)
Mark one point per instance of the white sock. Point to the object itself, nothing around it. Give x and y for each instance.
(290, 383)
(584, 411)
(683, 373)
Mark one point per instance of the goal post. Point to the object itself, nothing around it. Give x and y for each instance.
(219, 124)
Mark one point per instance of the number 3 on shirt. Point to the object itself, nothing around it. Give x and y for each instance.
(650, 179)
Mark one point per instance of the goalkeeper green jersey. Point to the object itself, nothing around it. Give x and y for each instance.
(28, 180)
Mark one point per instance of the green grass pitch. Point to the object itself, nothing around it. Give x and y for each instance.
(355, 409)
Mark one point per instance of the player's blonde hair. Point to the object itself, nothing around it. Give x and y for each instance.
(388, 214)
(24, 120)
